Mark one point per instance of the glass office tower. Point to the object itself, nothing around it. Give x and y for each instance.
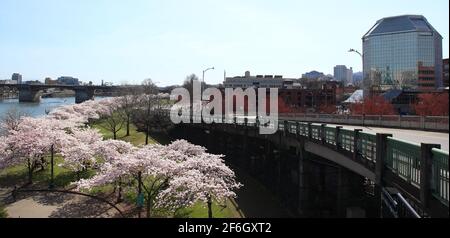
(402, 52)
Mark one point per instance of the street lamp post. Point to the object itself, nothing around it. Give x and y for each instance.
(364, 86)
(203, 78)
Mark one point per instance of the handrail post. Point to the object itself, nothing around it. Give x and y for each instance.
(336, 139)
(286, 129)
(426, 171)
(297, 130)
(355, 143)
(309, 130)
(323, 134)
(381, 153)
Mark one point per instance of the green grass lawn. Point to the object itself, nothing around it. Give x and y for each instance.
(18, 175)
(3, 213)
(219, 211)
(136, 138)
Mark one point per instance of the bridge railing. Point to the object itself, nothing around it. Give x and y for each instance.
(367, 145)
(346, 140)
(408, 122)
(440, 175)
(403, 158)
(330, 135)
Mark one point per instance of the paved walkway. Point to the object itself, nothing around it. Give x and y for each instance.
(57, 205)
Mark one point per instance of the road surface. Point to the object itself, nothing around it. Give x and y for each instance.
(408, 135)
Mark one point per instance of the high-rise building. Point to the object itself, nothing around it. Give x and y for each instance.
(445, 75)
(17, 77)
(343, 74)
(402, 52)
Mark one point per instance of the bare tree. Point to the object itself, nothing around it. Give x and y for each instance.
(147, 103)
(149, 87)
(151, 115)
(128, 103)
(115, 121)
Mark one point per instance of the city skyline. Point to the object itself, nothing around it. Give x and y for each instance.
(118, 42)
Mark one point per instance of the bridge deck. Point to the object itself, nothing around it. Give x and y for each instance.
(408, 135)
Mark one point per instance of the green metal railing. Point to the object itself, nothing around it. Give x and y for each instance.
(367, 145)
(303, 129)
(292, 127)
(440, 175)
(315, 132)
(403, 158)
(281, 125)
(330, 135)
(346, 139)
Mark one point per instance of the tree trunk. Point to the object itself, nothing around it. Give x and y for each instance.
(149, 205)
(30, 172)
(128, 126)
(42, 163)
(210, 215)
(146, 134)
(115, 135)
(119, 196)
(139, 193)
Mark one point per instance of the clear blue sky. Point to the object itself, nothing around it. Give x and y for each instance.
(128, 41)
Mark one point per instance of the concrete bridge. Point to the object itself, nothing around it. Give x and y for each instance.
(32, 93)
(407, 179)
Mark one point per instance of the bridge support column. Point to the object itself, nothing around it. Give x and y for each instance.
(381, 152)
(355, 143)
(338, 143)
(245, 155)
(83, 94)
(323, 134)
(302, 183)
(350, 187)
(26, 94)
(426, 171)
(310, 131)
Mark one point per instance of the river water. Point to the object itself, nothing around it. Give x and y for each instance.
(35, 109)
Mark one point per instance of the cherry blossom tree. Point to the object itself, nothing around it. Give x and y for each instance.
(4, 153)
(80, 154)
(34, 138)
(206, 177)
(10, 120)
(169, 176)
(111, 151)
(144, 165)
